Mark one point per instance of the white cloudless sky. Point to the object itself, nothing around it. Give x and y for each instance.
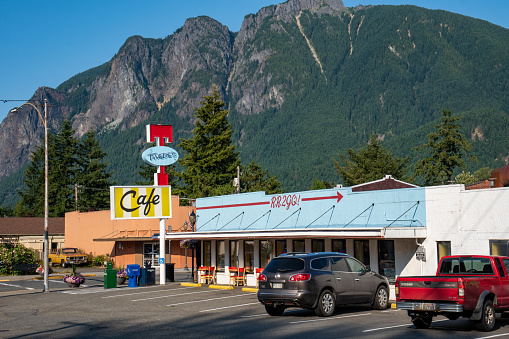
(44, 43)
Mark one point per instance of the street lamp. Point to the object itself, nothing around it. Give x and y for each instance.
(185, 250)
(46, 242)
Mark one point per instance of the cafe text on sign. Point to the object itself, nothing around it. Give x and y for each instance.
(140, 202)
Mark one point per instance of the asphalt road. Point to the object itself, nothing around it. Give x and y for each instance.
(176, 311)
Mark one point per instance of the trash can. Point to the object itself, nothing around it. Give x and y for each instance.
(170, 272)
(110, 276)
(147, 276)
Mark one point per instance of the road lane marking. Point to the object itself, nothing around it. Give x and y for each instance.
(144, 292)
(221, 308)
(28, 288)
(494, 336)
(199, 301)
(172, 295)
(254, 315)
(388, 327)
(329, 318)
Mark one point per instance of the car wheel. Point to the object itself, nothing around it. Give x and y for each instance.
(274, 310)
(422, 321)
(487, 321)
(326, 304)
(50, 263)
(381, 301)
(62, 263)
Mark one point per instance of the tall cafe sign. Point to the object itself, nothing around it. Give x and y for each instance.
(145, 202)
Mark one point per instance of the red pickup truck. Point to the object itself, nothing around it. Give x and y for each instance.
(472, 286)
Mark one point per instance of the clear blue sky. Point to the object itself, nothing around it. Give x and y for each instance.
(45, 43)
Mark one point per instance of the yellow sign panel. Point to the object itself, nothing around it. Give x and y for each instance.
(140, 202)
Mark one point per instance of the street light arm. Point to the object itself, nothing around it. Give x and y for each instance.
(29, 103)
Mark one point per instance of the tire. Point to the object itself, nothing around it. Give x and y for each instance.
(487, 321)
(422, 321)
(381, 300)
(50, 263)
(274, 311)
(62, 263)
(326, 304)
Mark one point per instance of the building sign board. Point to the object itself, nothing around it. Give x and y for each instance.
(140, 202)
(160, 156)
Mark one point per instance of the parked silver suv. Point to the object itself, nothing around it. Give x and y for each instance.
(319, 281)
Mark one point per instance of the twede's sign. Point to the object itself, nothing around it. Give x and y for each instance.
(140, 202)
(160, 156)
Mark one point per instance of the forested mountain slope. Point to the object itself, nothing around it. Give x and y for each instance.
(303, 80)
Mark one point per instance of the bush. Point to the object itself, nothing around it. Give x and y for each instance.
(15, 253)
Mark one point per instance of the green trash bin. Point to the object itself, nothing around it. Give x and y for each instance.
(110, 277)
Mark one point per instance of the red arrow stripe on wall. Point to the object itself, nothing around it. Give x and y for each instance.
(338, 196)
(234, 205)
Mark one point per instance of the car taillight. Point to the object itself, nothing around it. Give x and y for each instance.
(300, 277)
(262, 277)
(396, 289)
(461, 289)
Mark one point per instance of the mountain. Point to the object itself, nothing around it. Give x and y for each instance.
(303, 80)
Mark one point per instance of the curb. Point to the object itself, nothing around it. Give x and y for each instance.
(393, 305)
(190, 284)
(221, 287)
(248, 289)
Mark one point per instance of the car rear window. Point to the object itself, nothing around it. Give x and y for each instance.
(466, 265)
(285, 265)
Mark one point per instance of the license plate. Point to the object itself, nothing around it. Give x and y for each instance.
(428, 307)
(277, 285)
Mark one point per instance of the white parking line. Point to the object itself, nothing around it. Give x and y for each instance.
(494, 336)
(221, 308)
(388, 327)
(144, 292)
(329, 318)
(172, 295)
(254, 315)
(199, 301)
(28, 288)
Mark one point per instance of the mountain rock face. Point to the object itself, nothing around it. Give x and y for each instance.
(303, 80)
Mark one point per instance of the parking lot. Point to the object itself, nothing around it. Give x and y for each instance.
(178, 311)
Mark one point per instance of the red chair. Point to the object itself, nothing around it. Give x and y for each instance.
(209, 276)
(240, 277)
(232, 272)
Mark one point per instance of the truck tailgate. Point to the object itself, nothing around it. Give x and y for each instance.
(428, 289)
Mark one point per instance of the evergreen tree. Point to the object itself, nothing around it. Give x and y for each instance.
(446, 147)
(371, 162)
(210, 162)
(254, 179)
(92, 178)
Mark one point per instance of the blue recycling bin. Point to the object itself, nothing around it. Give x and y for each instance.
(133, 272)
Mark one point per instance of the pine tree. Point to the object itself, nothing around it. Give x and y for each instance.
(370, 163)
(254, 179)
(210, 162)
(446, 147)
(92, 178)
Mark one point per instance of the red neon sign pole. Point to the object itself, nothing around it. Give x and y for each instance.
(160, 134)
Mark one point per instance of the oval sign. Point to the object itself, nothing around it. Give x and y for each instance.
(160, 156)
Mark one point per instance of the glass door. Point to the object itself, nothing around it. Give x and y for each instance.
(151, 253)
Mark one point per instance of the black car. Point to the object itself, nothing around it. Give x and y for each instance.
(319, 281)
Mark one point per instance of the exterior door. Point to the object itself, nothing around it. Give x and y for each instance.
(343, 278)
(151, 253)
(362, 280)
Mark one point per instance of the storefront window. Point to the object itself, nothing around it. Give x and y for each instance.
(318, 245)
(265, 251)
(386, 262)
(443, 249)
(220, 255)
(361, 251)
(299, 246)
(151, 253)
(249, 256)
(280, 247)
(207, 253)
(499, 247)
(339, 245)
(234, 246)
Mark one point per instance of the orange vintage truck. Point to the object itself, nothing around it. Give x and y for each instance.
(67, 256)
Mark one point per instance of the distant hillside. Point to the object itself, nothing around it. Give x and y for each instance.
(303, 80)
